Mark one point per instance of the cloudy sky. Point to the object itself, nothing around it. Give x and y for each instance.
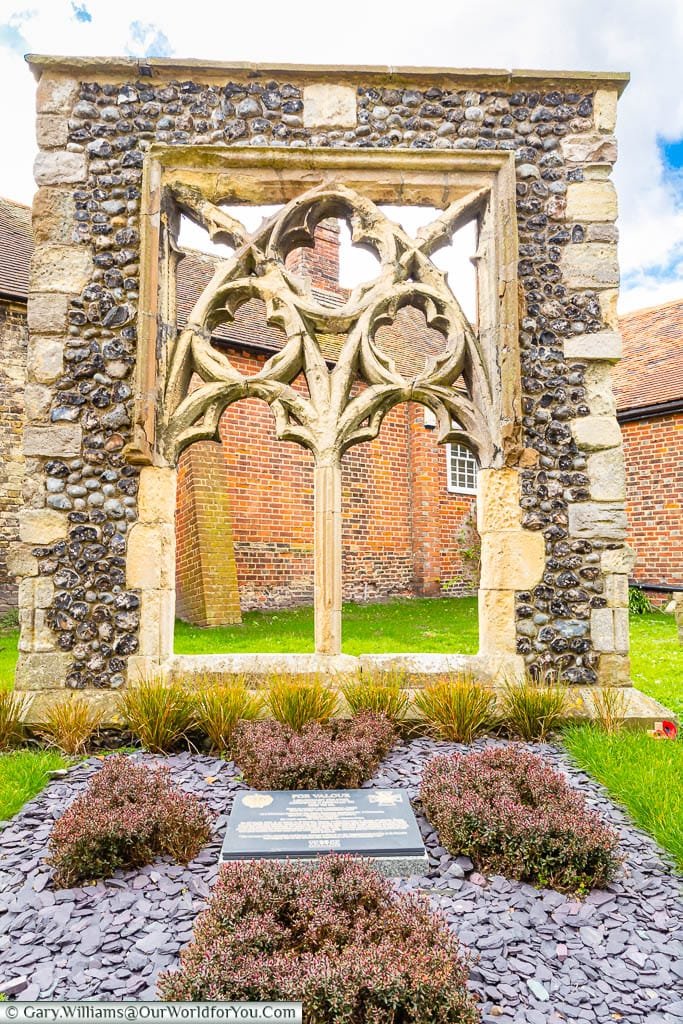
(644, 37)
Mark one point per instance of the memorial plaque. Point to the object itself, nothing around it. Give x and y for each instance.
(303, 825)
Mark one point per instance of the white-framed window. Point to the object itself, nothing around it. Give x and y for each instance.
(462, 468)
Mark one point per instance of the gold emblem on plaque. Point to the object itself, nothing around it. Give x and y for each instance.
(257, 800)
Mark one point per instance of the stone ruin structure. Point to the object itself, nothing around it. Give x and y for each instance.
(116, 392)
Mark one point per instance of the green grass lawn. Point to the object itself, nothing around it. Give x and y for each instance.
(657, 659)
(8, 657)
(397, 627)
(644, 774)
(23, 773)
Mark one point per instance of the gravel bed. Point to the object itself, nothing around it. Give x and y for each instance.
(538, 957)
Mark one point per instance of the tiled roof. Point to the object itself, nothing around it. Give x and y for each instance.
(16, 247)
(651, 370)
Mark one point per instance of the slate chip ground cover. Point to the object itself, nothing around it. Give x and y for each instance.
(543, 957)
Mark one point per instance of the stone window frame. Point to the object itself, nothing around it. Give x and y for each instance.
(466, 455)
(512, 558)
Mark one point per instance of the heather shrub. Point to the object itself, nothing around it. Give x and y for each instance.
(160, 715)
(515, 815)
(296, 702)
(218, 709)
(69, 724)
(459, 710)
(129, 815)
(337, 755)
(379, 693)
(533, 708)
(333, 936)
(13, 708)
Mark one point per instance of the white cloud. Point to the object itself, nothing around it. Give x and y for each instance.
(644, 37)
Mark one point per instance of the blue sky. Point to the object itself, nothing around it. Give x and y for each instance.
(644, 37)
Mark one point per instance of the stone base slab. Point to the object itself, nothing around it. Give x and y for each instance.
(391, 867)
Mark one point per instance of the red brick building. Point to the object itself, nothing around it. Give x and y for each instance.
(648, 383)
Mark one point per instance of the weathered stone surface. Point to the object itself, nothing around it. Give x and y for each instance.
(44, 671)
(497, 621)
(591, 200)
(41, 526)
(602, 629)
(329, 106)
(20, 560)
(595, 432)
(52, 131)
(615, 670)
(150, 557)
(60, 268)
(621, 635)
(45, 360)
(608, 299)
(36, 592)
(597, 381)
(512, 560)
(590, 265)
(618, 560)
(156, 495)
(59, 167)
(597, 520)
(56, 94)
(47, 313)
(603, 345)
(607, 475)
(605, 109)
(616, 590)
(59, 439)
(498, 500)
(37, 402)
(595, 149)
(53, 215)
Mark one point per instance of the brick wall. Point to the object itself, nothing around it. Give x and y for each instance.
(653, 451)
(13, 338)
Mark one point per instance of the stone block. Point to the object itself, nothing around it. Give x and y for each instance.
(156, 624)
(589, 148)
(45, 358)
(603, 345)
(61, 440)
(592, 520)
(597, 232)
(60, 167)
(621, 630)
(616, 590)
(36, 592)
(150, 557)
(43, 671)
(498, 500)
(56, 94)
(329, 106)
(591, 201)
(511, 560)
(60, 268)
(602, 629)
(593, 433)
(607, 475)
(53, 215)
(37, 402)
(20, 561)
(590, 265)
(597, 381)
(47, 313)
(618, 560)
(614, 670)
(41, 526)
(157, 495)
(605, 110)
(608, 299)
(497, 632)
(52, 131)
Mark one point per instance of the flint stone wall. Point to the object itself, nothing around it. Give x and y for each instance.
(80, 620)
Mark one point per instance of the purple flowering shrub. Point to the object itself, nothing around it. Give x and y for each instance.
(340, 754)
(129, 815)
(334, 936)
(514, 815)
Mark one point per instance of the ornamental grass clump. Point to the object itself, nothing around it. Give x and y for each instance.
(380, 693)
(13, 708)
(160, 715)
(129, 815)
(533, 708)
(458, 711)
(296, 702)
(218, 709)
(340, 754)
(70, 724)
(334, 937)
(514, 815)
